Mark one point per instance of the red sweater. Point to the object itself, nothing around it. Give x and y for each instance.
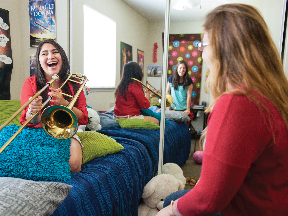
(243, 171)
(136, 101)
(29, 89)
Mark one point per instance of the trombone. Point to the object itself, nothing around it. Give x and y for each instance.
(58, 121)
(169, 99)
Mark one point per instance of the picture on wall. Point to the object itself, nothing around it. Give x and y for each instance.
(33, 67)
(125, 55)
(140, 59)
(154, 70)
(184, 47)
(42, 21)
(6, 64)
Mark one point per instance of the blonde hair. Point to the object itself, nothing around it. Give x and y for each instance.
(245, 54)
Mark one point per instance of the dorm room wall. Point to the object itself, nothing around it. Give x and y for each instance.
(131, 28)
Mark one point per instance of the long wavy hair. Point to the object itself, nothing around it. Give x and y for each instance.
(131, 70)
(63, 73)
(176, 77)
(244, 54)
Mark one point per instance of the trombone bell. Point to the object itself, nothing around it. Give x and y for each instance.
(59, 122)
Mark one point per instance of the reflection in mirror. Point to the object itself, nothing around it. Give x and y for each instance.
(141, 24)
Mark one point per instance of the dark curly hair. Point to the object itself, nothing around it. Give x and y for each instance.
(131, 70)
(176, 77)
(63, 73)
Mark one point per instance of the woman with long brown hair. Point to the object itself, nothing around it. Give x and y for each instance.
(245, 166)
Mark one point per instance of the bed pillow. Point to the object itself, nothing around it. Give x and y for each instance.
(137, 124)
(26, 197)
(177, 116)
(34, 155)
(97, 145)
(106, 120)
(7, 109)
(110, 111)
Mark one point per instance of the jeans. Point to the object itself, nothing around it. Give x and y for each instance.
(176, 195)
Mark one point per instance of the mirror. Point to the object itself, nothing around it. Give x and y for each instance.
(139, 25)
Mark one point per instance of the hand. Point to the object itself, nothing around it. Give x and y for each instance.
(35, 105)
(187, 112)
(57, 96)
(165, 211)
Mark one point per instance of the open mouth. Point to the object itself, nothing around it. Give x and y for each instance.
(52, 64)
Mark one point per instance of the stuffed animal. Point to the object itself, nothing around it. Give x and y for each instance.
(175, 170)
(94, 120)
(155, 192)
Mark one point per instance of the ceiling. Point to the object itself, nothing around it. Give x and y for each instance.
(154, 10)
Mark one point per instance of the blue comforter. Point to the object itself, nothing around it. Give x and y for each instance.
(113, 184)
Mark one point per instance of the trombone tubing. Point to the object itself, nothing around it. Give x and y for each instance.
(27, 103)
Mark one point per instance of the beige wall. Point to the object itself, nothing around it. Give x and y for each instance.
(131, 28)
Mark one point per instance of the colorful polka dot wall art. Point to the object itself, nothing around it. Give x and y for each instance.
(184, 47)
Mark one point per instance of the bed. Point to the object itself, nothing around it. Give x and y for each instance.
(113, 184)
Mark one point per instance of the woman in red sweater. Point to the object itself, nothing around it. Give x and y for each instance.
(245, 166)
(51, 59)
(130, 98)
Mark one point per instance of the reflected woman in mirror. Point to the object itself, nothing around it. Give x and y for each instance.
(245, 166)
(181, 86)
(130, 98)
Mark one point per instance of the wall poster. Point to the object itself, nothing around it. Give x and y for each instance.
(6, 64)
(42, 21)
(184, 47)
(125, 55)
(140, 59)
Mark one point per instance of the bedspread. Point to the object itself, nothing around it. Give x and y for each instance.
(113, 184)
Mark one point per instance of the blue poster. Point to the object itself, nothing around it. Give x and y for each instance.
(42, 21)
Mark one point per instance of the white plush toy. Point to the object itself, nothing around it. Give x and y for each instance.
(174, 170)
(155, 192)
(94, 120)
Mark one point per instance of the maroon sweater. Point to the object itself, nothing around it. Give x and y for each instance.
(243, 172)
(136, 101)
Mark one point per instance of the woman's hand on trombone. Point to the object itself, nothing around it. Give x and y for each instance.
(57, 96)
(34, 106)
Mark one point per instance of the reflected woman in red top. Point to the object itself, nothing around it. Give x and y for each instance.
(130, 98)
(51, 59)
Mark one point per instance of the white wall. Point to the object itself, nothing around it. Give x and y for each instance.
(131, 28)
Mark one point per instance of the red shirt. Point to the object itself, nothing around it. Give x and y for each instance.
(29, 89)
(243, 171)
(136, 101)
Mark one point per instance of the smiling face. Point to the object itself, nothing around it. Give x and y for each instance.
(181, 70)
(50, 60)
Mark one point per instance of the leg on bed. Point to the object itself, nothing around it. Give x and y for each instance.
(152, 119)
(75, 161)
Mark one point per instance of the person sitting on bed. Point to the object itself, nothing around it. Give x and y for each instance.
(130, 98)
(181, 86)
(51, 59)
(245, 166)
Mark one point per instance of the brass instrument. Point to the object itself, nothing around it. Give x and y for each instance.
(169, 99)
(58, 121)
